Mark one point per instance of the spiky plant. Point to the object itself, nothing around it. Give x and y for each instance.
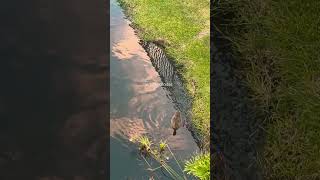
(199, 166)
(145, 144)
(162, 146)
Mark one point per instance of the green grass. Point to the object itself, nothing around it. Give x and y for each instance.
(199, 166)
(278, 43)
(184, 26)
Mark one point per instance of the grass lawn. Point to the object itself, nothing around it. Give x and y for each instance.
(279, 47)
(184, 26)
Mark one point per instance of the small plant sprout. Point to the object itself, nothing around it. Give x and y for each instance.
(145, 144)
(162, 146)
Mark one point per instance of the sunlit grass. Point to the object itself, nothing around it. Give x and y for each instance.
(199, 166)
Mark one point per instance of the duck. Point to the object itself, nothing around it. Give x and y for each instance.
(176, 122)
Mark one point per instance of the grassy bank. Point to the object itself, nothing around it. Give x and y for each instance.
(278, 44)
(184, 27)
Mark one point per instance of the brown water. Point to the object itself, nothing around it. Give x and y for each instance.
(138, 105)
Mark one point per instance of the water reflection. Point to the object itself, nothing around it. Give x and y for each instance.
(126, 49)
(139, 105)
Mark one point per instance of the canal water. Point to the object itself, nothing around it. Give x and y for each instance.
(139, 105)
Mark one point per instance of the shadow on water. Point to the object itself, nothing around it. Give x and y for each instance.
(139, 105)
(53, 100)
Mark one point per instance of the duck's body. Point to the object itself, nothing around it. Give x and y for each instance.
(176, 122)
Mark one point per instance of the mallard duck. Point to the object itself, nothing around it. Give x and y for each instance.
(175, 122)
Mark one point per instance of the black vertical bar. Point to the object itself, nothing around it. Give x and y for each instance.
(54, 91)
(107, 2)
